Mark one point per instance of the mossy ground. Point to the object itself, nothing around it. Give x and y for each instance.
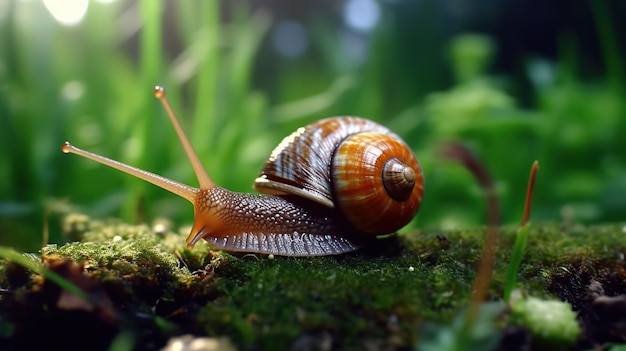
(144, 286)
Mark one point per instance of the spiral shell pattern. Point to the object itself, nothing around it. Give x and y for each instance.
(377, 182)
(350, 163)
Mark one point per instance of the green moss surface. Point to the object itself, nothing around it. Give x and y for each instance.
(146, 284)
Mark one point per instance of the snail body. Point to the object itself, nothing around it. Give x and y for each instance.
(328, 188)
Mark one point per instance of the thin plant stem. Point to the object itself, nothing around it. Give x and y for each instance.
(484, 271)
(521, 238)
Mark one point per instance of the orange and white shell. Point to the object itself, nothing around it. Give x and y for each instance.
(349, 163)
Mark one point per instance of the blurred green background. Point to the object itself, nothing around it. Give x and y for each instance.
(512, 80)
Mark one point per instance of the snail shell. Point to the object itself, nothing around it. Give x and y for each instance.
(349, 163)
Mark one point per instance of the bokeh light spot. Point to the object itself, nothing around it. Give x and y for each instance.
(361, 15)
(290, 39)
(73, 90)
(67, 12)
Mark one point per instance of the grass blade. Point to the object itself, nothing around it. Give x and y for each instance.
(521, 239)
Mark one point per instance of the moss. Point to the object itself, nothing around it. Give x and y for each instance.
(353, 298)
(551, 322)
(378, 297)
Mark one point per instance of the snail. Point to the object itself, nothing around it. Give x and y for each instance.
(328, 188)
